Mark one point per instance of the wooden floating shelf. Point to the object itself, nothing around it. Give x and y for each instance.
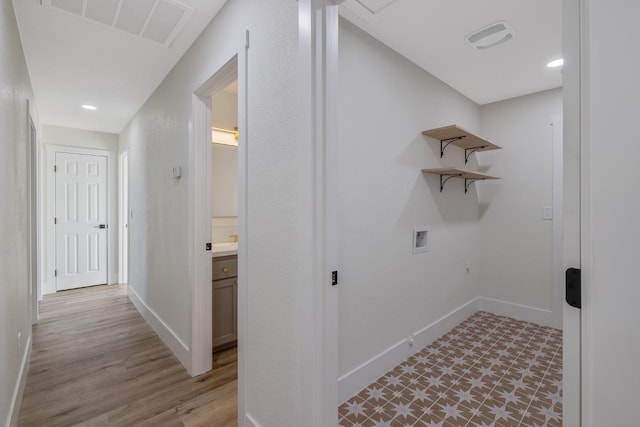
(454, 134)
(468, 176)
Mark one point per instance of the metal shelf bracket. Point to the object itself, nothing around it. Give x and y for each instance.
(444, 143)
(448, 177)
(469, 181)
(469, 151)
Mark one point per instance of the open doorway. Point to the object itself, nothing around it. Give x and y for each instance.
(224, 223)
(220, 216)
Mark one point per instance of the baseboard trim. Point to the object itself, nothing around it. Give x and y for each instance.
(18, 392)
(164, 332)
(360, 377)
(516, 311)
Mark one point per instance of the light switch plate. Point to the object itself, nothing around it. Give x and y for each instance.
(547, 213)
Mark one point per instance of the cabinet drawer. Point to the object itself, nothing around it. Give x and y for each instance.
(225, 267)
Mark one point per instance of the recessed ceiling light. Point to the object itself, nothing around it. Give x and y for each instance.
(89, 107)
(556, 63)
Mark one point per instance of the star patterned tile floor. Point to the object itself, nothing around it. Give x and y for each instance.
(487, 371)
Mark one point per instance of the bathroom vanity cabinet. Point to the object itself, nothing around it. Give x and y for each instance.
(225, 300)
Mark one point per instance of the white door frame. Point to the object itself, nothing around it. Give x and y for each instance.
(48, 278)
(574, 188)
(318, 38)
(200, 162)
(33, 152)
(123, 220)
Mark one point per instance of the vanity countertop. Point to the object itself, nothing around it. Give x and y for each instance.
(224, 249)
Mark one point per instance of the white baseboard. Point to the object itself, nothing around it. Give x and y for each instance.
(18, 391)
(516, 311)
(171, 340)
(250, 422)
(354, 381)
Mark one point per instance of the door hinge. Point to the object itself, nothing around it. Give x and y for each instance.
(55, 273)
(573, 284)
(334, 278)
(55, 168)
(55, 221)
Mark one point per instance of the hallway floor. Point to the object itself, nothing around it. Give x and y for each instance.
(96, 362)
(487, 371)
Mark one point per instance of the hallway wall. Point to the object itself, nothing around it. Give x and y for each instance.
(158, 138)
(15, 306)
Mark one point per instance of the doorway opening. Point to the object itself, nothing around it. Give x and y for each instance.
(220, 216)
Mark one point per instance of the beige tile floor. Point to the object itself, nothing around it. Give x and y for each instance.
(487, 371)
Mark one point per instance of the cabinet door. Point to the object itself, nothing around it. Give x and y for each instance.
(225, 295)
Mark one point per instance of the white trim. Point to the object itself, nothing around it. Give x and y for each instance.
(18, 391)
(123, 208)
(557, 305)
(317, 148)
(48, 280)
(170, 338)
(354, 381)
(516, 311)
(587, 402)
(200, 159)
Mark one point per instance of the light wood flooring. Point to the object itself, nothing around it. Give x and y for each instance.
(96, 362)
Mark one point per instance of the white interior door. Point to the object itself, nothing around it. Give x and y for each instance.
(81, 220)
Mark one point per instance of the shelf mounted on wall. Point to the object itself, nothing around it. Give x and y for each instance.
(454, 134)
(469, 177)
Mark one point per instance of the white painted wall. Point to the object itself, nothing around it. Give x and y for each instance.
(15, 306)
(224, 110)
(386, 292)
(79, 138)
(611, 208)
(158, 138)
(224, 190)
(516, 257)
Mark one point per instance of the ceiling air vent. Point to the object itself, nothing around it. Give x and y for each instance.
(159, 21)
(491, 35)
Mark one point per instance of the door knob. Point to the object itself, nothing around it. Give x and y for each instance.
(101, 226)
(225, 269)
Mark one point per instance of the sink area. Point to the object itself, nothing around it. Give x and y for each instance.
(224, 249)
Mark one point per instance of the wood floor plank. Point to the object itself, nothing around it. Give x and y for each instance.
(96, 362)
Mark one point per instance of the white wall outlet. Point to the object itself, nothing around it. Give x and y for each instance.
(547, 213)
(420, 239)
(411, 340)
